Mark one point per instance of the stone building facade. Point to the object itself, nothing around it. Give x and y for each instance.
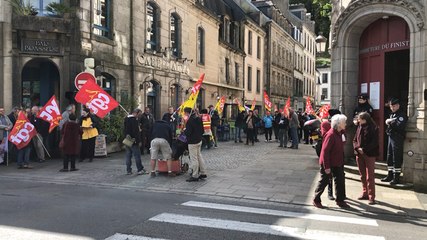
(378, 48)
(279, 57)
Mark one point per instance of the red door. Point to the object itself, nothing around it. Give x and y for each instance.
(381, 37)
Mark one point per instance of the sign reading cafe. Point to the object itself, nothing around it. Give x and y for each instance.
(40, 46)
(163, 63)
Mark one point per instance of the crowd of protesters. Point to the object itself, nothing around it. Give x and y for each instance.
(193, 130)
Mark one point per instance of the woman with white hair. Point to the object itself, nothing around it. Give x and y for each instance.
(332, 161)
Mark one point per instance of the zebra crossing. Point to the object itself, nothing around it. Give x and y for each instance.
(281, 228)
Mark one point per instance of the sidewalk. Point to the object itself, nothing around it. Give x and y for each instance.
(262, 172)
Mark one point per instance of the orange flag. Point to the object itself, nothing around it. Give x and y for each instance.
(253, 104)
(22, 132)
(50, 113)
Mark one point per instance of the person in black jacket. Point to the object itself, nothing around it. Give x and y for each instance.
(131, 128)
(215, 120)
(42, 128)
(194, 132)
(239, 125)
(277, 116)
(161, 142)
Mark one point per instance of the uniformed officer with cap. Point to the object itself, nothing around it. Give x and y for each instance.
(363, 105)
(396, 125)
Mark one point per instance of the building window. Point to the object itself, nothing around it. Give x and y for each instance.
(324, 93)
(227, 70)
(101, 21)
(249, 78)
(175, 35)
(324, 78)
(258, 81)
(250, 42)
(200, 46)
(236, 73)
(226, 30)
(258, 48)
(153, 22)
(40, 5)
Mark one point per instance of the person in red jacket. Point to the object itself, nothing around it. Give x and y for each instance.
(366, 147)
(332, 161)
(71, 134)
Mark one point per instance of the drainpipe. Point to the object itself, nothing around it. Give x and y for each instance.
(132, 56)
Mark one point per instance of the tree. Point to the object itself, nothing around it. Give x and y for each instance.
(321, 12)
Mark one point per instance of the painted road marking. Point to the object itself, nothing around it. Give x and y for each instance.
(320, 217)
(259, 228)
(120, 236)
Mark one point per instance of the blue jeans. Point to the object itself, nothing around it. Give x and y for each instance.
(294, 136)
(134, 150)
(237, 132)
(24, 156)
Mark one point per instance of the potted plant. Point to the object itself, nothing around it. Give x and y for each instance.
(57, 9)
(23, 8)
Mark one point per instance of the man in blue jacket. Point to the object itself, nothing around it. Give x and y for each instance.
(268, 126)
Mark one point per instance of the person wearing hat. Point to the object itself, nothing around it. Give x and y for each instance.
(363, 105)
(396, 125)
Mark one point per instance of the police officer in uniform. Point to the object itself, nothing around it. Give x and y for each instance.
(396, 125)
(363, 105)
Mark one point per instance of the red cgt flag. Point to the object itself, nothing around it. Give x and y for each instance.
(50, 113)
(267, 103)
(22, 132)
(308, 107)
(287, 106)
(96, 99)
(323, 111)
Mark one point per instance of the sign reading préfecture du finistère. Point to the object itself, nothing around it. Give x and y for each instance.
(44, 46)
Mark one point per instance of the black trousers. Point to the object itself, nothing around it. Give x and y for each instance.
(250, 132)
(339, 179)
(268, 133)
(395, 153)
(88, 148)
(70, 159)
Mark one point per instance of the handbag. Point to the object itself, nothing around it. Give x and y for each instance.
(182, 138)
(128, 141)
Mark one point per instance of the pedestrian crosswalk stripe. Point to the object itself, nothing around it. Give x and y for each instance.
(320, 217)
(259, 228)
(120, 236)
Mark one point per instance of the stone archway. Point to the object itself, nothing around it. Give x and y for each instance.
(40, 80)
(346, 33)
(345, 47)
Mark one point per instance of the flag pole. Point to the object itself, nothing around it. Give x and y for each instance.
(124, 109)
(7, 151)
(38, 137)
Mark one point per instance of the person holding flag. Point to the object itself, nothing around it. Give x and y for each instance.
(268, 126)
(42, 128)
(89, 124)
(22, 133)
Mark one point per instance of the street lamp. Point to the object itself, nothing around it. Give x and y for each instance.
(321, 43)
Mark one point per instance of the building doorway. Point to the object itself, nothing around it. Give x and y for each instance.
(384, 69)
(40, 80)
